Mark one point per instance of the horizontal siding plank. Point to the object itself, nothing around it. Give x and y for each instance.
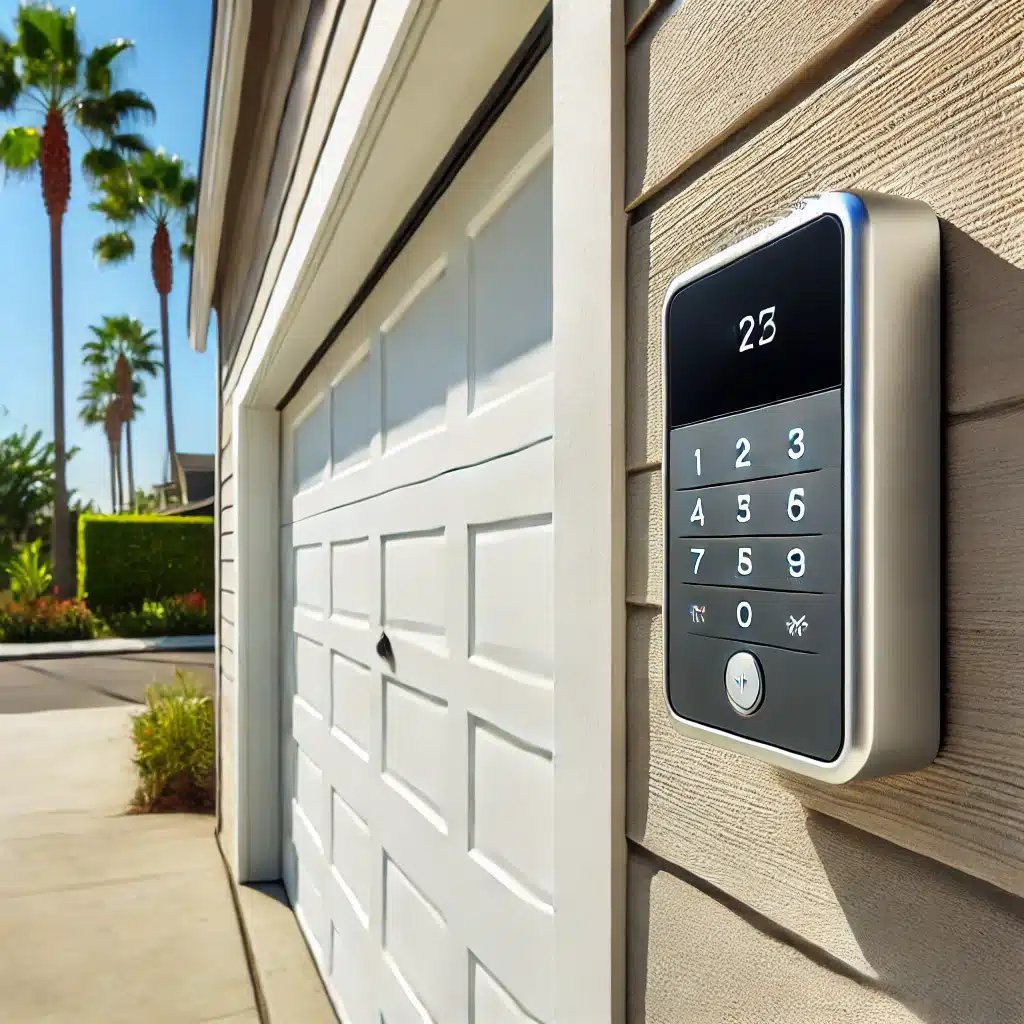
(711, 66)
(967, 809)
(228, 547)
(227, 519)
(691, 960)
(227, 606)
(932, 113)
(227, 633)
(227, 492)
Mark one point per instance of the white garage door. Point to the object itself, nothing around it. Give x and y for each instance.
(419, 834)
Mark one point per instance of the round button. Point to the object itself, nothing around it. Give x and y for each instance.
(744, 683)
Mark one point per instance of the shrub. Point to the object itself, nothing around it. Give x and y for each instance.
(175, 616)
(174, 747)
(124, 561)
(47, 618)
(29, 575)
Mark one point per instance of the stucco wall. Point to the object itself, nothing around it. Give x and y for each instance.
(755, 896)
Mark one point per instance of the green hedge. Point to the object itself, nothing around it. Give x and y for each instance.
(125, 560)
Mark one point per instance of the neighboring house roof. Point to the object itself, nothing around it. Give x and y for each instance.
(196, 463)
(195, 508)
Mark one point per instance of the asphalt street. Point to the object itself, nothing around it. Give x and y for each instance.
(52, 684)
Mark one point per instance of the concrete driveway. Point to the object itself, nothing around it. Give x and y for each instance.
(52, 684)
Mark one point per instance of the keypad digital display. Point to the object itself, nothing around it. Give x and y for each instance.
(755, 494)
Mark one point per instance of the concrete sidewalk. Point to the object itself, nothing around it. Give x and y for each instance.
(106, 917)
(110, 645)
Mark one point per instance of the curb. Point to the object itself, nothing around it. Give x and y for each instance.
(114, 645)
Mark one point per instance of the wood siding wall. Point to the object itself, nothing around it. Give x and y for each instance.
(753, 895)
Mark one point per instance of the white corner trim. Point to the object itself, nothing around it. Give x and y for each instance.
(589, 508)
(231, 36)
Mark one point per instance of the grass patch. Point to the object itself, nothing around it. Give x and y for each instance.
(174, 747)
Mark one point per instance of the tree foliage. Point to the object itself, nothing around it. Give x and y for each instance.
(44, 69)
(26, 487)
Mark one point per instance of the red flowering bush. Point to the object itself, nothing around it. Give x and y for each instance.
(46, 618)
(183, 615)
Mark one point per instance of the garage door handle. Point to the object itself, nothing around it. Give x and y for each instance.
(384, 648)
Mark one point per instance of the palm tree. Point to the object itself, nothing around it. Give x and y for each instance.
(101, 406)
(155, 188)
(45, 77)
(123, 338)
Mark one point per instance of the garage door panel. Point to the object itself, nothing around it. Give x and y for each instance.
(414, 751)
(353, 704)
(413, 592)
(355, 403)
(510, 626)
(312, 672)
(311, 445)
(353, 850)
(310, 579)
(423, 357)
(418, 947)
(353, 976)
(510, 272)
(354, 579)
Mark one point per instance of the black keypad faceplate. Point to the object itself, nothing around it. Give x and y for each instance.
(755, 563)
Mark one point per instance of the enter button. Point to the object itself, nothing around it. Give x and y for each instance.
(744, 683)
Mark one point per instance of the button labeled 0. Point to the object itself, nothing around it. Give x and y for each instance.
(798, 622)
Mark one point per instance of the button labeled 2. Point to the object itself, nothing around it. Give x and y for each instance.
(799, 435)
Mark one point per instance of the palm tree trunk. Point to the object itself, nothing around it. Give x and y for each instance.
(113, 480)
(165, 337)
(131, 467)
(60, 549)
(120, 479)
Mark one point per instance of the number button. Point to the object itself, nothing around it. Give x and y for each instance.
(797, 563)
(795, 507)
(744, 566)
(796, 445)
(742, 453)
(742, 508)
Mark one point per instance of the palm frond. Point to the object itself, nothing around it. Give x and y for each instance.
(100, 161)
(10, 80)
(98, 72)
(114, 248)
(19, 151)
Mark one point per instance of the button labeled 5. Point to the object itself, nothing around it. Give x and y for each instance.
(801, 503)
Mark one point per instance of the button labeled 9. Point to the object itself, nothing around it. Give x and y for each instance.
(779, 563)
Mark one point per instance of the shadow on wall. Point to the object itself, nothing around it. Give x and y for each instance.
(896, 902)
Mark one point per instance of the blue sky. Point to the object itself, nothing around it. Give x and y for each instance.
(168, 64)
